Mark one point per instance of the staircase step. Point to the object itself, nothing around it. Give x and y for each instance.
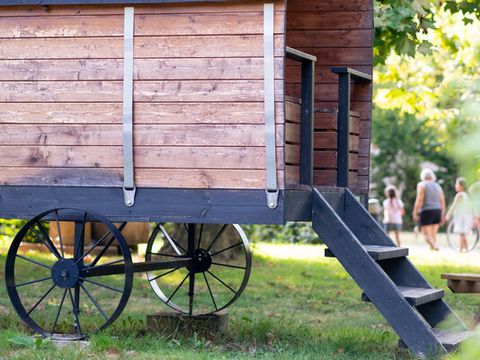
(451, 340)
(416, 296)
(378, 253)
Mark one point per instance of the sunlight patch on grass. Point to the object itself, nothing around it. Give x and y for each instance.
(290, 251)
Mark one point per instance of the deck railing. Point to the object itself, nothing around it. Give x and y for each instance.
(306, 110)
(346, 75)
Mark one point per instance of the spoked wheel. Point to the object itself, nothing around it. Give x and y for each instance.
(454, 241)
(60, 291)
(216, 276)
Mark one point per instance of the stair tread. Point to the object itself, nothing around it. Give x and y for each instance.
(416, 296)
(379, 252)
(452, 339)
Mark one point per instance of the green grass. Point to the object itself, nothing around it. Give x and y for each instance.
(298, 305)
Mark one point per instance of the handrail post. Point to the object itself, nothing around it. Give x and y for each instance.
(307, 123)
(343, 130)
(306, 113)
(343, 120)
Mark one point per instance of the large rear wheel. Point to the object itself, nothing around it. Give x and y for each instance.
(48, 282)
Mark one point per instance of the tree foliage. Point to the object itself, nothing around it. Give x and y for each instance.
(424, 103)
(401, 24)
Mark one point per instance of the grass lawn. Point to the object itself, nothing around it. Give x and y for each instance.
(298, 305)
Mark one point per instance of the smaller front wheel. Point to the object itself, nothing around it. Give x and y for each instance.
(217, 275)
(453, 238)
(56, 289)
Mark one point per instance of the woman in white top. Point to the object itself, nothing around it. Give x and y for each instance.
(393, 212)
(462, 212)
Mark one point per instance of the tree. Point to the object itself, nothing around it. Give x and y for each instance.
(423, 103)
(399, 24)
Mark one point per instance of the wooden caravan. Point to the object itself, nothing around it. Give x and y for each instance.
(206, 113)
(206, 79)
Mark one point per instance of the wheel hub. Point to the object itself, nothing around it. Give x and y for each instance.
(202, 260)
(65, 273)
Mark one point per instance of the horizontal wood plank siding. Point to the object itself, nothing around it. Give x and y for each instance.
(340, 34)
(198, 93)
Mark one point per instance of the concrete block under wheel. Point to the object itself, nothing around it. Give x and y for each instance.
(184, 325)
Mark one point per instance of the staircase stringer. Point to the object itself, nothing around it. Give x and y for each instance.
(365, 227)
(380, 289)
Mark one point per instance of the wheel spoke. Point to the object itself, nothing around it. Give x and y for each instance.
(93, 246)
(102, 285)
(161, 254)
(33, 281)
(178, 287)
(75, 313)
(166, 273)
(58, 313)
(228, 248)
(230, 266)
(210, 291)
(45, 241)
(33, 261)
(41, 299)
(59, 233)
(81, 238)
(200, 236)
(222, 282)
(94, 302)
(191, 291)
(107, 246)
(224, 227)
(171, 241)
(90, 267)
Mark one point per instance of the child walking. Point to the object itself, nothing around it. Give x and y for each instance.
(462, 213)
(393, 212)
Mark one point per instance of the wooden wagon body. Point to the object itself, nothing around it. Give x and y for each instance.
(206, 75)
(198, 112)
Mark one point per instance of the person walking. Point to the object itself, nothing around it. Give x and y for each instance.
(461, 212)
(393, 212)
(429, 207)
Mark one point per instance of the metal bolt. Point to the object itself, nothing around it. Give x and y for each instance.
(64, 273)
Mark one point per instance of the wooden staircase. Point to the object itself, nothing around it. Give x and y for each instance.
(415, 310)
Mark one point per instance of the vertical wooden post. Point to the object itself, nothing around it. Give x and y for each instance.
(307, 122)
(343, 130)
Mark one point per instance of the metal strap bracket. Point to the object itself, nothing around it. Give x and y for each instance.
(129, 187)
(269, 105)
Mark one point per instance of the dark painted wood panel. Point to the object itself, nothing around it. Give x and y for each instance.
(363, 165)
(144, 135)
(364, 107)
(330, 5)
(292, 133)
(145, 113)
(323, 73)
(362, 56)
(329, 20)
(161, 205)
(108, 177)
(292, 154)
(329, 92)
(214, 46)
(330, 38)
(292, 175)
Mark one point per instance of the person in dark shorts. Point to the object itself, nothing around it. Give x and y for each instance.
(429, 208)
